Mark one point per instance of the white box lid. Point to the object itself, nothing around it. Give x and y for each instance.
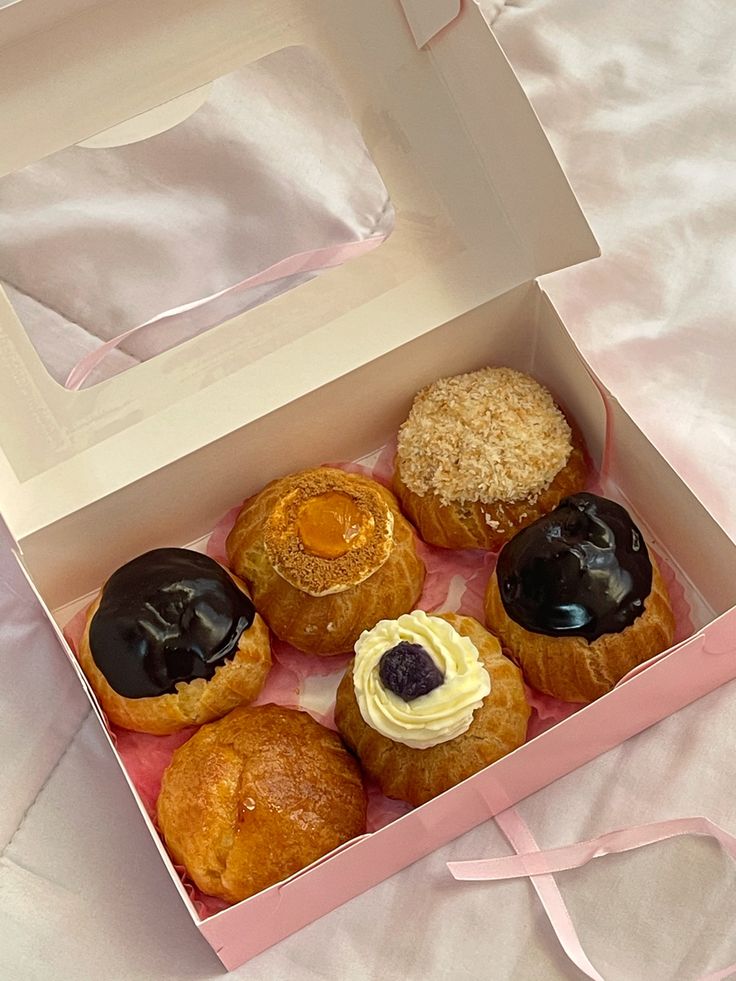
(33, 16)
(481, 206)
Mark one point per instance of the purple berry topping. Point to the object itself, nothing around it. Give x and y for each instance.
(409, 671)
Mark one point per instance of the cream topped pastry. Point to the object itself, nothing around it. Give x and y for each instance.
(429, 701)
(483, 454)
(417, 680)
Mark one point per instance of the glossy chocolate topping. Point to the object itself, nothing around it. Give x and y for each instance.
(582, 570)
(170, 615)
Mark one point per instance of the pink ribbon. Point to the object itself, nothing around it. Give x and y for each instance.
(302, 262)
(539, 865)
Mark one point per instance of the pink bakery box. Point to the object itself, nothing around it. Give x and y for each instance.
(156, 455)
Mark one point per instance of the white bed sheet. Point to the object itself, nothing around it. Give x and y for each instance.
(638, 102)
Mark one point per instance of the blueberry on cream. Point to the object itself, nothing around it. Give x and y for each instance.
(417, 680)
(409, 671)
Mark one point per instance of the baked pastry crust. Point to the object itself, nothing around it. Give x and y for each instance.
(256, 796)
(573, 669)
(330, 623)
(237, 681)
(418, 775)
(475, 524)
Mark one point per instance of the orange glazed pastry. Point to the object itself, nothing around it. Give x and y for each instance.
(578, 600)
(483, 454)
(327, 554)
(256, 796)
(173, 640)
(428, 701)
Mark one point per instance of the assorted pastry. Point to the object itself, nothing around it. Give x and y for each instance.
(578, 599)
(256, 796)
(173, 640)
(483, 454)
(328, 561)
(327, 554)
(428, 701)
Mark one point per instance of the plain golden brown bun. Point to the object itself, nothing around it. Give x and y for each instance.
(256, 796)
(573, 669)
(473, 524)
(238, 681)
(332, 622)
(417, 775)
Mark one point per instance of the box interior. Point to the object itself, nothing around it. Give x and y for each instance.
(520, 329)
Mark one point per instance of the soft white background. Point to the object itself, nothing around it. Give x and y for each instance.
(638, 100)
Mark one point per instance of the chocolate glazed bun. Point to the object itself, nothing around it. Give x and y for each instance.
(578, 600)
(173, 640)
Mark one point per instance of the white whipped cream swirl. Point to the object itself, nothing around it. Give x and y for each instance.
(441, 714)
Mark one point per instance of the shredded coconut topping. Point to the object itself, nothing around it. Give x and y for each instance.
(490, 435)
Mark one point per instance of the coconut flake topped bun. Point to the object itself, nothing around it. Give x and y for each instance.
(482, 455)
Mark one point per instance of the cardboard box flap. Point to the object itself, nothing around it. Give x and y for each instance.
(428, 17)
(481, 206)
(21, 18)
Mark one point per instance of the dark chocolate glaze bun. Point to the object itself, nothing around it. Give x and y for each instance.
(583, 571)
(168, 616)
